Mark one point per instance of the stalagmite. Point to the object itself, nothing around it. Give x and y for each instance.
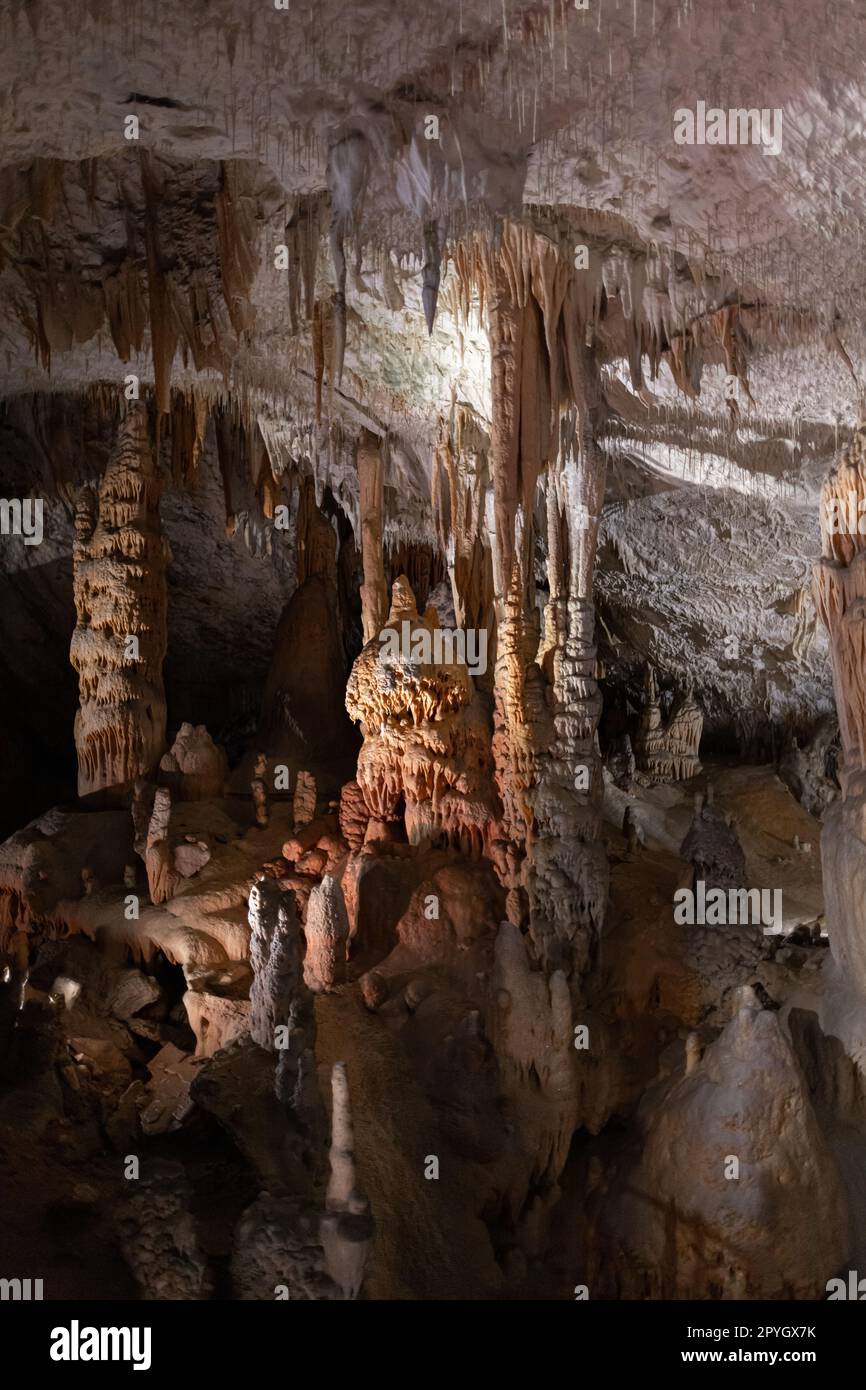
(354, 815)
(119, 641)
(347, 1226)
(667, 750)
(162, 877)
(326, 928)
(195, 767)
(547, 702)
(304, 799)
(712, 847)
(426, 752)
(260, 799)
(281, 1006)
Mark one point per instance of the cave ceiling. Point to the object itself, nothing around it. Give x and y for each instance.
(158, 256)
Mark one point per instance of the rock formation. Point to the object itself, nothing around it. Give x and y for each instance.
(347, 1227)
(666, 750)
(426, 753)
(740, 1122)
(326, 928)
(259, 791)
(713, 849)
(281, 1006)
(304, 800)
(120, 603)
(194, 767)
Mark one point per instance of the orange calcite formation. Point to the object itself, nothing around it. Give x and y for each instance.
(426, 752)
(119, 562)
(354, 815)
(547, 703)
(304, 799)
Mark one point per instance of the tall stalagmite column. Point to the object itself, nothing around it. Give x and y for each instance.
(119, 642)
(547, 703)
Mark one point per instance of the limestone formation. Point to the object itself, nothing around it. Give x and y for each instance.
(281, 1006)
(194, 767)
(119, 563)
(729, 1232)
(713, 849)
(347, 1226)
(259, 791)
(426, 751)
(162, 876)
(326, 928)
(666, 750)
(354, 815)
(304, 800)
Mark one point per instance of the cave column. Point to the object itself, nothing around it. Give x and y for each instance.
(374, 590)
(119, 642)
(547, 700)
(839, 588)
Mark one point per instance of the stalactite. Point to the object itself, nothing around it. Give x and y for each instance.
(237, 235)
(460, 479)
(120, 599)
(189, 417)
(304, 231)
(163, 328)
(431, 274)
(316, 541)
(125, 308)
(371, 482)
(346, 174)
(324, 352)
